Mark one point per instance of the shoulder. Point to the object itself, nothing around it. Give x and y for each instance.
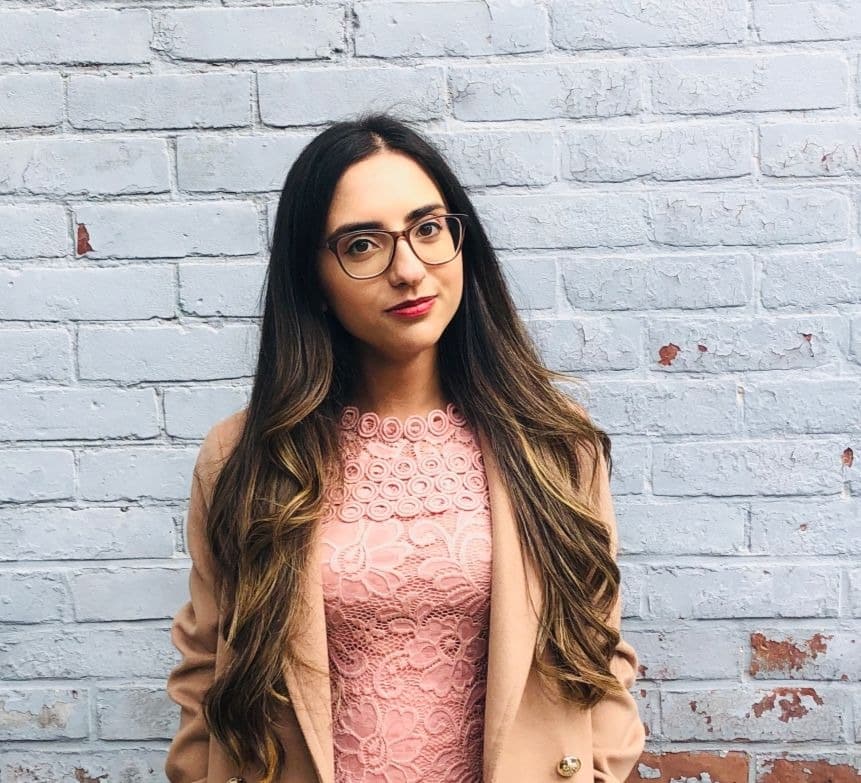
(220, 440)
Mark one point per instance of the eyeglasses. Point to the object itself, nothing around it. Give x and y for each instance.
(435, 239)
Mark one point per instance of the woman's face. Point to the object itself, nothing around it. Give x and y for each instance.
(386, 187)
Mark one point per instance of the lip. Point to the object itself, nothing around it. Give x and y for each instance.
(418, 307)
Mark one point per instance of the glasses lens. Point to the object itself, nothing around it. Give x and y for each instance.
(366, 254)
(435, 240)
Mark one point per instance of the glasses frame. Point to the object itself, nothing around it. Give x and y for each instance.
(332, 243)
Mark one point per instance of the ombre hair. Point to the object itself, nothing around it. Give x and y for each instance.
(269, 494)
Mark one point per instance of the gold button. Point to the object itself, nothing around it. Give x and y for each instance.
(567, 766)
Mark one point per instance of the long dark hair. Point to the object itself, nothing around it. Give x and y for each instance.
(270, 490)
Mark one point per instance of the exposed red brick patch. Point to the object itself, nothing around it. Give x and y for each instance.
(729, 767)
(84, 245)
(771, 655)
(808, 337)
(808, 771)
(642, 669)
(704, 714)
(668, 353)
(789, 707)
(848, 457)
(702, 348)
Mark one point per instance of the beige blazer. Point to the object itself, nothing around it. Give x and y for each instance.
(528, 738)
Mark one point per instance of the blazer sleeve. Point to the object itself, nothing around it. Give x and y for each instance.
(194, 631)
(618, 733)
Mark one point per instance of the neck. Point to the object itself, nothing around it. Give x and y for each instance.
(399, 387)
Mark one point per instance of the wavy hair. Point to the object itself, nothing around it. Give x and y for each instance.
(270, 490)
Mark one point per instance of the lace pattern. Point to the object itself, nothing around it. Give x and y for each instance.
(406, 580)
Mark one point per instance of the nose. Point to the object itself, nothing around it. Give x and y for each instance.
(406, 265)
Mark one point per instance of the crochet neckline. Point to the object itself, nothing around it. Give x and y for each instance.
(370, 424)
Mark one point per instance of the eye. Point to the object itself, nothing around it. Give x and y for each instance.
(362, 242)
(433, 224)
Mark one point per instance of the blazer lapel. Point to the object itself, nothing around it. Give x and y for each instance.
(513, 623)
(513, 631)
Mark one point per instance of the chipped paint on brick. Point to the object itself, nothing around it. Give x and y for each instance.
(83, 243)
(668, 353)
(771, 655)
(694, 765)
(790, 707)
(785, 770)
(848, 457)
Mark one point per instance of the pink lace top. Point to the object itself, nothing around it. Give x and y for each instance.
(406, 583)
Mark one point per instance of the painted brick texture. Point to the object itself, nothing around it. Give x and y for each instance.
(674, 190)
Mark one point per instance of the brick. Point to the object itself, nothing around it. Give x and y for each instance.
(214, 163)
(35, 355)
(750, 218)
(853, 578)
(234, 34)
(735, 591)
(92, 533)
(532, 282)
(84, 166)
(72, 651)
(32, 597)
(132, 472)
(792, 527)
(127, 593)
(37, 765)
(682, 151)
(776, 714)
(658, 282)
(36, 474)
(802, 406)
(167, 353)
(31, 100)
(317, 96)
(810, 20)
(221, 289)
(747, 82)
(159, 101)
(699, 407)
(135, 713)
(675, 651)
(648, 702)
(654, 527)
(115, 293)
(169, 230)
(416, 29)
(499, 157)
(95, 36)
(34, 230)
(807, 280)
(587, 343)
(758, 342)
(44, 714)
(807, 149)
(56, 414)
(829, 654)
(538, 91)
(189, 411)
(748, 467)
(730, 766)
(551, 221)
(602, 24)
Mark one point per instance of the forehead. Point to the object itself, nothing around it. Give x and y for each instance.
(382, 187)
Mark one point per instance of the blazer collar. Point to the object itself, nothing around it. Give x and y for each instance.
(513, 631)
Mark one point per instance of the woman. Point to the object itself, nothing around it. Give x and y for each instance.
(403, 549)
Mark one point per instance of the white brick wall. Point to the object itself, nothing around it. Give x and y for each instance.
(674, 191)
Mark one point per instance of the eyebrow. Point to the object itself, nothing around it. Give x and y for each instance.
(369, 224)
